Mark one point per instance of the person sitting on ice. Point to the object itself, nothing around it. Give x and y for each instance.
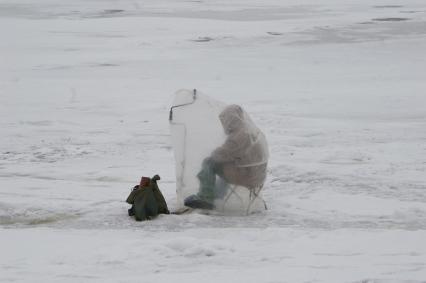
(241, 160)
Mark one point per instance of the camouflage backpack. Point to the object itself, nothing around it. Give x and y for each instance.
(147, 200)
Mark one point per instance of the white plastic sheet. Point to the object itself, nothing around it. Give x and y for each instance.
(205, 129)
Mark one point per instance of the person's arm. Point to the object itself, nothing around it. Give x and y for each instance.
(226, 152)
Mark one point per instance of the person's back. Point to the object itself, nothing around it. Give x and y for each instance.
(241, 160)
(244, 155)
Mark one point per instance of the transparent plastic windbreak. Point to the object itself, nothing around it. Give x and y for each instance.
(220, 153)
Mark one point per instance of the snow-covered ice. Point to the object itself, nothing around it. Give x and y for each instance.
(338, 87)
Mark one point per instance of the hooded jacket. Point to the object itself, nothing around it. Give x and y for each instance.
(244, 155)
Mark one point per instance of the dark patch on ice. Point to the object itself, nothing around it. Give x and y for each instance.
(87, 34)
(106, 65)
(38, 123)
(34, 218)
(326, 34)
(53, 67)
(366, 23)
(411, 12)
(113, 11)
(274, 33)
(107, 13)
(387, 6)
(48, 219)
(113, 262)
(77, 276)
(107, 179)
(248, 14)
(359, 32)
(46, 153)
(202, 39)
(393, 19)
(337, 254)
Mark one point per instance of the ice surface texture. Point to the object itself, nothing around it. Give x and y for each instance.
(85, 92)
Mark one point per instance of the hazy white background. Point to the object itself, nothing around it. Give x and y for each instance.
(338, 87)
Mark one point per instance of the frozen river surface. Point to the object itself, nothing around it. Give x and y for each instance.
(338, 87)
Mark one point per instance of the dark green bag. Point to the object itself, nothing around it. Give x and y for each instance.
(147, 200)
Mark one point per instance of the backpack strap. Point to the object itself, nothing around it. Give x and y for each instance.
(162, 205)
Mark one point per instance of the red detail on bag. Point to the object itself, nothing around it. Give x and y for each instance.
(144, 181)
